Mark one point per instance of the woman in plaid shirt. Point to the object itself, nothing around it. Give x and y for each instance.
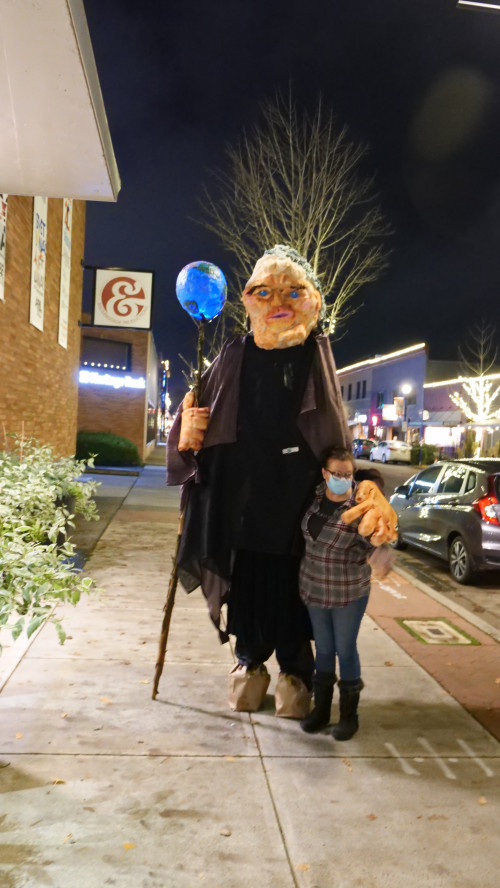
(335, 585)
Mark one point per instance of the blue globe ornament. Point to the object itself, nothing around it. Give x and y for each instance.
(201, 290)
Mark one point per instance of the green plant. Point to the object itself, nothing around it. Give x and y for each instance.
(108, 449)
(36, 569)
(423, 454)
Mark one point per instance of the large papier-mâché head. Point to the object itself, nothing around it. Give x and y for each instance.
(282, 299)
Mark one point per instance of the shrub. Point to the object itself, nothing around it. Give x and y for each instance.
(108, 449)
(423, 454)
(36, 572)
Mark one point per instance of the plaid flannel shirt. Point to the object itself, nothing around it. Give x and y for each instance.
(334, 568)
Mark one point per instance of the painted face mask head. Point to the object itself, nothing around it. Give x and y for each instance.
(282, 302)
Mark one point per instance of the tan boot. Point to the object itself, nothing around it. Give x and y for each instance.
(247, 688)
(292, 698)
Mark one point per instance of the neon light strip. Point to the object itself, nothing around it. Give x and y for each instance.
(380, 358)
(428, 385)
(478, 3)
(91, 377)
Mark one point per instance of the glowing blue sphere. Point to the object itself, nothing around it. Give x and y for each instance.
(201, 290)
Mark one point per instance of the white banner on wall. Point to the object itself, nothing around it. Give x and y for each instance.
(3, 238)
(38, 261)
(64, 289)
(123, 298)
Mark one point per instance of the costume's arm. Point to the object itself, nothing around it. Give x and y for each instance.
(180, 465)
(379, 518)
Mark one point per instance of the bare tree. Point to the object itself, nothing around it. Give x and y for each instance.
(478, 399)
(295, 179)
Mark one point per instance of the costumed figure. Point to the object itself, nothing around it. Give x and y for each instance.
(248, 457)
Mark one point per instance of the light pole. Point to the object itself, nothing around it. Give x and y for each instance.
(405, 389)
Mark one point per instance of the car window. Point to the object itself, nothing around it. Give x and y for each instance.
(452, 479)
(425, 480)
(471, 482)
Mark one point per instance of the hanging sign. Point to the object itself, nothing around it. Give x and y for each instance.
(38, 261)
(3, 237)
(123, 298)
(64, 288)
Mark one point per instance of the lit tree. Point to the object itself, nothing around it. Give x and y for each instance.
(296, 179)
(479, 387)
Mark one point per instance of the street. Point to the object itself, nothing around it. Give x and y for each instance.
(482, 598)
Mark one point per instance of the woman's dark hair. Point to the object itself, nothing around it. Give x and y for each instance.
(370, 475)
(341, 453)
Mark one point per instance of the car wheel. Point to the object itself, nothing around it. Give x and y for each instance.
(459, 561)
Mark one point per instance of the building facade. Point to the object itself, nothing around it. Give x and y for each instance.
(118, 387)
(38, 375)
(384, 395)
(405, 395)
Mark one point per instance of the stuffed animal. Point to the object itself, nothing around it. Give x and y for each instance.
(378, 519)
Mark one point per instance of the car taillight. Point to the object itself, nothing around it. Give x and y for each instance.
(489, 509)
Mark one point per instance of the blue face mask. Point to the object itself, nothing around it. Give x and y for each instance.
(338, 486)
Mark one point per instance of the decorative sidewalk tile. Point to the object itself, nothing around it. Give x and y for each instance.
(437, 631)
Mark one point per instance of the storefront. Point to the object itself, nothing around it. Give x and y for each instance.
(118, 388)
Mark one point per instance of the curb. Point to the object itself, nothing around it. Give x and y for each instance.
(451, 605)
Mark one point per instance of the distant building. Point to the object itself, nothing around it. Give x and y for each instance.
(118, 388)
(405, 395)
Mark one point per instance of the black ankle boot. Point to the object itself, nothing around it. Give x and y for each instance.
(348, 723)
(319, 717)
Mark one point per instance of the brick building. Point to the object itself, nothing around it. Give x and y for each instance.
(55, 145)
(38, 377)
(118, 388)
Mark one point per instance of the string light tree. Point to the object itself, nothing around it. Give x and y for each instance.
(201, 289)
(479, 400)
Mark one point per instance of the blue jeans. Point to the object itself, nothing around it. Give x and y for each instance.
(335, 634)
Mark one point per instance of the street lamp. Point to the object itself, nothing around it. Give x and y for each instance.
(405, 389)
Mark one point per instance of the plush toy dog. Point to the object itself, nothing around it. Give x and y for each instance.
(379, 518)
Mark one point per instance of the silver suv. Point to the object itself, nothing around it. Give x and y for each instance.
(452, 510)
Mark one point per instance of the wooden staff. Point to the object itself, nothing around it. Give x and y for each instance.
(172, 586)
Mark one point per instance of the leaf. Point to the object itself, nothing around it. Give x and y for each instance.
(128, 845)
(105, 700)
(17, 628)
(482, 801)
(371, 816)
(33, 625)
(18, 736)
(66, 838)
(388, 663)
(303, 867)
(57, 782)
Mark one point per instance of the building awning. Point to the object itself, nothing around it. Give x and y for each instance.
(54, 137)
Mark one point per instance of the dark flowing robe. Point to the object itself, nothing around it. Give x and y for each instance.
(272, 414)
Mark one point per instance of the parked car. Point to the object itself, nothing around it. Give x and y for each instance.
(391, 451)
(361, 447)
(452, 509)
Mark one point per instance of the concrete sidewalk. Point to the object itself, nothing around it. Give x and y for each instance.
(99, 785)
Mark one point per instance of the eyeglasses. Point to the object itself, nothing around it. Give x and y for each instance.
(347, 476)
(288, 293)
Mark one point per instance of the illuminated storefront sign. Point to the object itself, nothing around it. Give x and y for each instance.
(116, 381)
(389, 412)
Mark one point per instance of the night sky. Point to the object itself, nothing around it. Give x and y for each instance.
(418, 80)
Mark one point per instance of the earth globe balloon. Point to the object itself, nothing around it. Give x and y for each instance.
(201, 289)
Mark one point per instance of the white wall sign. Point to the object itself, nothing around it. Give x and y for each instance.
(3, 238)
(116, 381)
(123, 298)
(64, 288)
(38, 261)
